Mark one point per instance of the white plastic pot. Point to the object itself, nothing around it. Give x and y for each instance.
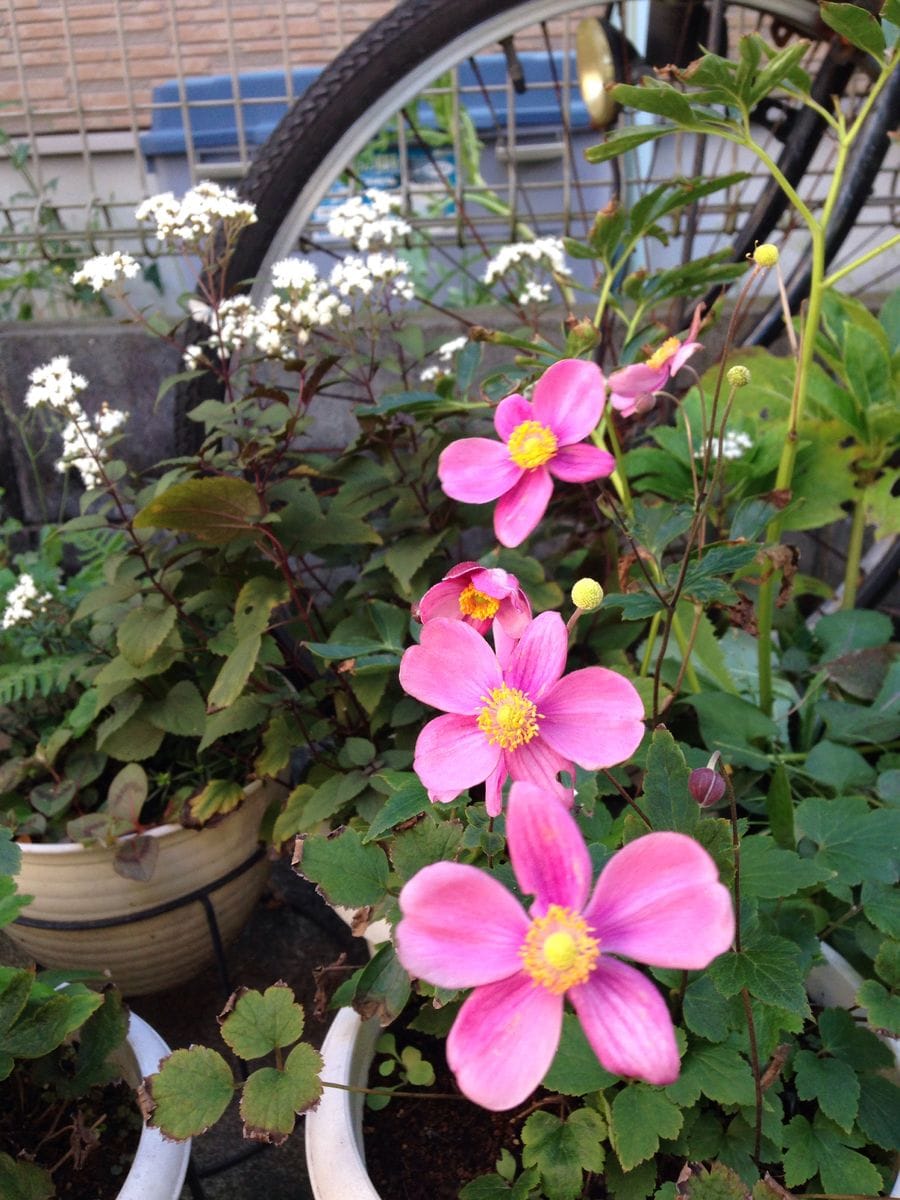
(159, 1167)
(78, 885)
(335, 1156)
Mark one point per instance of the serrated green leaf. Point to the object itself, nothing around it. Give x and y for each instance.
(15, 988)
(348, 872)
(383, 987)
(859, 27)
(824, 1148)
(143, 631)
(217, 796)
(660, 99)
(706, 1011)
(768, 872)
(409, 800)
(181, 711)
(407, 555)
(879, 1111)
(641, 1115)
(666, 799)
(244, 713)
(262, 1021)
(844, 1038)
(234, 673)
(882, 1008)
(561, 1150)
(769, 967)
(214, 509)
(881, 904)
(575, 1070)
(832, 1083)
(190, 1092)
(427, 842)
(716, 1071)
(42, 1029)
(853, 840)
(255, 602)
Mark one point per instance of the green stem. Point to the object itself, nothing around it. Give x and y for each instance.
(854, 550)
(618, 477)
(831, 280)
(652, 634)
(685, 646)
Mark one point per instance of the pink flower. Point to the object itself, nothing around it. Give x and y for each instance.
(538, 441)
(658, 900)
(520, 718)
(482, 597)
(631, 388)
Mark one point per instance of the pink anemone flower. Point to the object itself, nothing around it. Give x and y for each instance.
(519, 718)
(540, 440)
(483, 597)
(658, 900)
(632, 388)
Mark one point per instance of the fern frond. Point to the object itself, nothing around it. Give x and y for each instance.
(47, 677)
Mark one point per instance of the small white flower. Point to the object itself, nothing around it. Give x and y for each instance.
(534, 293)
(54, 384)
(23, 602)
(368, 219)
(193, 357)
(294, 274)
(196, 215)
(548, 251)
(427, 374)
(449, 350)
(735, 444)
(105, 269)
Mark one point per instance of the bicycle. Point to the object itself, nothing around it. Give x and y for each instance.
(377, 80)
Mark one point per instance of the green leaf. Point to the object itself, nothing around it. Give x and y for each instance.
(706, 1011)
(181, 711)
(244, 713)
(719, 1182)
(234, 673)
(383, 988)
(563, 1150)
(262, 1021)
(660, 99)
(214, 509)
(127, 793)
(217, 796)
(770, 873)
(10, 853)
(348, 873)
(255, 602)
(881, 904)
(641, 1115)
(859, 27)
(358, 648)
(879, 1111)
(780, 808)
(857, 629)
(356, 752)
(136, 740)
(427, 842)
(824, 1148)
(15, 988)
(832, 1083)
(840, 767)
(42, 1029)
(143, 631)
(279, 739)
(621, 141)
(408, 555)
(406, 801)
(271, 1098)
(575, 1070)
(666, 799)
(882, 1008)
(716, 1071)
(730, 724)
(769, 967)
(887, 962)
(844, 1038)
(853, 840)
(24, 1181)
(190, 1092)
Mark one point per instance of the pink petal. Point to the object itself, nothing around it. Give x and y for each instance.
(633, 381)
(460, 927)
(539, 764)
(504, 1040)
(452, 754)
(493, 788)
(503, 643)
(494, 582)
(569, 397)
(540, 656)
(681, 355)
(626, 406)
(546, 849)
(519, 510)
(476, 470)
(511, 412)
(627, 1023)
(659, 900)
(442, 600)
(581, 463)
(451, 668)
(594, 717)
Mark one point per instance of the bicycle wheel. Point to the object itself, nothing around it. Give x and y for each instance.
(543, 183)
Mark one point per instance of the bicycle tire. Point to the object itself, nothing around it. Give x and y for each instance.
(385, 67)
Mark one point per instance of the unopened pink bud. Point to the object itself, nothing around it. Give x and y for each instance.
(644, 403)
(706, 786)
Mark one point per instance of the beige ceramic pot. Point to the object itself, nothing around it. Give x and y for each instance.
(149, 935)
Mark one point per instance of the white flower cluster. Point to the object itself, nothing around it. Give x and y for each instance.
(368, 219)
(534, 293)
(197, 214)
(446, 353)
(54, 384)
(104, 269)
(736, 444)
(547, 251)
(23, 602)
(361, 275)
(57, 386)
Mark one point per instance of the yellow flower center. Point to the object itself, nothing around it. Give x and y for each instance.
(531, 444)
(473, 603)
(663, 353)
(508, 718)
(558, 952)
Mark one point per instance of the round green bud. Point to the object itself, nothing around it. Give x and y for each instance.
(765, 255)
(587, 594)
(738, 376)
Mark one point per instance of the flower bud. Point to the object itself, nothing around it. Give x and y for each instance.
(706, 786)
(765, 255)
(587, 594)
(738, 376)
(644, 403)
